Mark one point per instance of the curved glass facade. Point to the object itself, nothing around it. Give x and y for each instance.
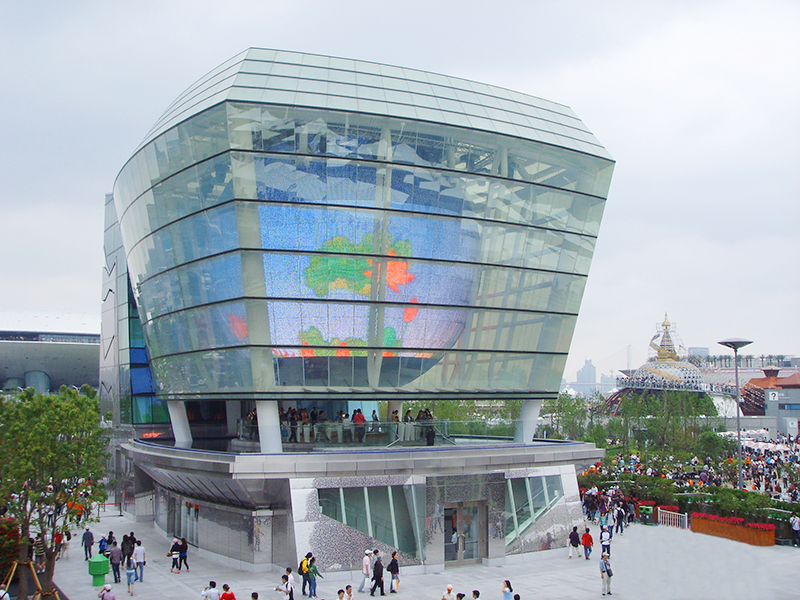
(350, 236)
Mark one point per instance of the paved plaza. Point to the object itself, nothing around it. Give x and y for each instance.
(648, 562)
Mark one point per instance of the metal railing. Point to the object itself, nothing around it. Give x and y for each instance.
(673, 519)
(386, 434)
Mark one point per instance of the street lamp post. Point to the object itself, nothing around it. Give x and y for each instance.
(734, 344)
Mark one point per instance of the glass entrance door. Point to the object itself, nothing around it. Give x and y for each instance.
(465, 533)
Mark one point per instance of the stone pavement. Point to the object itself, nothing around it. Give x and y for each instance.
(649, 562)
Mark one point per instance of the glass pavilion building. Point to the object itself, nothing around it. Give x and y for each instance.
(302, 230)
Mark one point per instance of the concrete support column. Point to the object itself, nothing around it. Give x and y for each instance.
(38, 380)
(233, 414)
(528, 418)
(180, 424)
(395, 405)
(269, 426)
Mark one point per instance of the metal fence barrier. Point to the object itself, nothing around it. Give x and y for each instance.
(673, 519)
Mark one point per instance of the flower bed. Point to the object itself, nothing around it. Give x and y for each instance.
(734, 528)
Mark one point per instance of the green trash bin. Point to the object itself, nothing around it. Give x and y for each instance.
(98, 569)
(646, 515)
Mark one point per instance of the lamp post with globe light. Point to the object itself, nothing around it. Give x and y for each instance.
(734, 344)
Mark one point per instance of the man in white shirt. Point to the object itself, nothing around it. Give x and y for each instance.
(448, 593)
(794, 521)
(290, 578)
(211, 592)
(366, 569)
(605, 541)
(138, 558)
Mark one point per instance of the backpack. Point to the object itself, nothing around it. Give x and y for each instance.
(303, 568)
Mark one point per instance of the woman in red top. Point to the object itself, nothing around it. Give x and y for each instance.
(227, 594)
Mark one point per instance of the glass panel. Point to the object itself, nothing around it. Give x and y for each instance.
(208, 372)
(450, 534)
(521, 503)
(355, 508)
(470, 530)
(210, 280)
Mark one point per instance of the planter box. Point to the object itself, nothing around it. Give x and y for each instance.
(737, 533)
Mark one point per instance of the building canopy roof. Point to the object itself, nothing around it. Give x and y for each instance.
(325, 82)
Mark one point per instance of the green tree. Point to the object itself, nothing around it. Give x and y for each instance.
(52, 458)
(568, 414)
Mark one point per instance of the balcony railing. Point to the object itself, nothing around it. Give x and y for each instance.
(333, 434)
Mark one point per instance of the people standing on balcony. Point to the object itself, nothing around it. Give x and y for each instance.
(292, 425)
(347, 427)
(408, 419)
(375, 419)
(360, 422)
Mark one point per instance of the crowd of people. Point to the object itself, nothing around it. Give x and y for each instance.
(128, 553)
(769, 466)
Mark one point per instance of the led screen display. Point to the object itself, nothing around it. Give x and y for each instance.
(352, 259)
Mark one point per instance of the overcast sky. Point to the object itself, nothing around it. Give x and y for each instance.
(697, 102)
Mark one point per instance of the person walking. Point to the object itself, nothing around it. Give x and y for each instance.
(574, 542)
(365, 570)
(302, 569)
(227, 594)
(605, 541)
(606, 573)
(587, 542)
(130, 573)
(394, 568)
(620, 519)
(313, 573)
(87, 541)
(105, 593)
(448, 593)
(139, 559)
(175, 554)
(184, 554)
(115, 558)
(286, 587)
(377, 577)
